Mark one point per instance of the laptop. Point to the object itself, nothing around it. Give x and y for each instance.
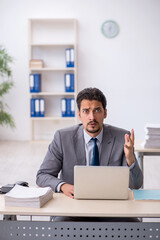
(101, 182)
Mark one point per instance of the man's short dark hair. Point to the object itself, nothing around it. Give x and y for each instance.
(91, 94)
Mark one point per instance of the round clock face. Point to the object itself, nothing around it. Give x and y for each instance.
(110, 29)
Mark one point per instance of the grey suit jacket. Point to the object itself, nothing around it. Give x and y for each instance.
(68, 149)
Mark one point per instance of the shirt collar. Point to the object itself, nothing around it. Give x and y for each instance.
(87, 137)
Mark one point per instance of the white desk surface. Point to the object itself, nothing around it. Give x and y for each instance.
(62, 205)
(139, 148)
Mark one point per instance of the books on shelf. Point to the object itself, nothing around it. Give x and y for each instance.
(34, 197)
(37, 107)
(69, 82)
(70, 58)
(36, 63)
(152, 136)
(35, 82)
(67, 107)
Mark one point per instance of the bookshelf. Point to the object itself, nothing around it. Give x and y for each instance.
(48, 41)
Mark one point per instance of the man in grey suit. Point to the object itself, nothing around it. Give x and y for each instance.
(74, 146)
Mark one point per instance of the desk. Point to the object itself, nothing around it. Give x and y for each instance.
(61, 205)
(141, 152)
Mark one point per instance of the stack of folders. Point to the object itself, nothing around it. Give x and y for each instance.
(67, 107)
(70, 58)
(69, 82)
(35, 83)
(152, 136)
(37, 107)
(33, 197)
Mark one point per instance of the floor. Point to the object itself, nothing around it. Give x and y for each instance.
(20, 161)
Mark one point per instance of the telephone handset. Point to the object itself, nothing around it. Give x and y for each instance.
(8, 187)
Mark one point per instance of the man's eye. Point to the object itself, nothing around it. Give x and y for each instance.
(85, 110)
(98, 110)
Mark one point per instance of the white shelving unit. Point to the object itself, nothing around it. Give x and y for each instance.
(48, 39)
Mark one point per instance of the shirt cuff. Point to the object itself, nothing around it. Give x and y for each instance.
(58, 189)
(132, 166)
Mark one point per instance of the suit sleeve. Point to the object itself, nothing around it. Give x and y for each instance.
(47, 176)
(135, 175)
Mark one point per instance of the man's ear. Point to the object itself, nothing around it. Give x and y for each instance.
(105, 113)
(79, 115)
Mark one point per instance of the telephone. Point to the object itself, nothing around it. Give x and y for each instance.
(22, 183)
(8, 187)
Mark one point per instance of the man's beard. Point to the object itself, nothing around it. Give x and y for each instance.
(94, 130)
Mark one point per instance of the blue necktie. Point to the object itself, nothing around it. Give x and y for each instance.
(95, 158)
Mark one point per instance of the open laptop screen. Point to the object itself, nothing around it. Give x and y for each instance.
(101, 182)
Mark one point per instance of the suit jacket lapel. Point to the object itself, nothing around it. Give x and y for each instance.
(107, 144)
(79, 146)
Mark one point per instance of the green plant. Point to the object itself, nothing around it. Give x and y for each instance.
(6, 84)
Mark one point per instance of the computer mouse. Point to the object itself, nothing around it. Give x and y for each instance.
(22, 183)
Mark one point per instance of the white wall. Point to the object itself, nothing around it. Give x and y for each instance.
(126, 68)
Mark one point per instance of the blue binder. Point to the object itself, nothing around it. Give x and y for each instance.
(37, 109)
(72, 82)
(41, 107)
(69, 82)
(63, 107)
(67, 53)
(35, 82)
(68, 107)
(31, 82)
(72, 58)
(72, 112)
(32, 107)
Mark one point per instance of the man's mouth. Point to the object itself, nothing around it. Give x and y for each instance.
(92, 124)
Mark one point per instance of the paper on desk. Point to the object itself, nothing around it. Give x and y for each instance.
(27, 192)
(28, 196)
(146, 194)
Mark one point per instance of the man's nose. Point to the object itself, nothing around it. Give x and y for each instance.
(91, 115)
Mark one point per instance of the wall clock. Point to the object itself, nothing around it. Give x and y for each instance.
(110, 29)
